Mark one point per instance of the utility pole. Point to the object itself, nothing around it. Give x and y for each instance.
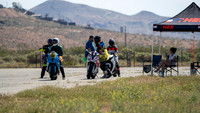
(125, 35)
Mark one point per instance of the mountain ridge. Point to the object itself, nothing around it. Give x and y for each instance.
(19, 31)
(99, 18)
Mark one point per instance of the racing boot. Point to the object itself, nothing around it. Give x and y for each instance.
(118, 69)
(104, 74)
(43, 71)
(118, 72)
(63, 73)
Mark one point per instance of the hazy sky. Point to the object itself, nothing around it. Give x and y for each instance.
(129, 7)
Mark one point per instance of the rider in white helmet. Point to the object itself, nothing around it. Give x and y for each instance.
(59, 50)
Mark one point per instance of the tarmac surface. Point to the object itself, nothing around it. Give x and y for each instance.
(15, 80)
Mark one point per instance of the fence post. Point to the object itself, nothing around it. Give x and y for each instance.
(181, 57)
(134, 59)
(40, 59)
(36, 60)
(128, 58)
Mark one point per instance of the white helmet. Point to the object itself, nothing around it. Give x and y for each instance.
(55, 41)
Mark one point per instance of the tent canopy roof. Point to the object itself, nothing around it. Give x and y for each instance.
(187, 21)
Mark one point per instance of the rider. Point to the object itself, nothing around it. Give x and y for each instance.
(112, 49)
(45, 48)
(59, 50)
(104, 56)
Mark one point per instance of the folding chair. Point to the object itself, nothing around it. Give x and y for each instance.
(195, 68)
(155, 64)
(172, 68)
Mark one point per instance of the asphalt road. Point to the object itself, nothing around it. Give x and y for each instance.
(15, 80)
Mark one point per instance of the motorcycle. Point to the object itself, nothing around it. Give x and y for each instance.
(53, 65)
(110, 67)
(92, 64)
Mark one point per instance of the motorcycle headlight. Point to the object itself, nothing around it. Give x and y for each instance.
(52, 55)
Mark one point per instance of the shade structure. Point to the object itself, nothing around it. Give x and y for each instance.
(186, 21)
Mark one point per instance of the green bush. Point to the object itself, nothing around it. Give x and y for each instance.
(69, 60)
(142, 57)
(33, 58)
(8, 59)
(20, 59)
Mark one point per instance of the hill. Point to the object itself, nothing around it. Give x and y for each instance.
(18, 31)
(100, 18)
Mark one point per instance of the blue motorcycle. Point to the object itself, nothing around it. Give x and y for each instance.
(53, 65)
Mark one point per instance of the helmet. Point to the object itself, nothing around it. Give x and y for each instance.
(103, 44)
(49, 41)
(112, 42)
(55, 41)
(97, 39)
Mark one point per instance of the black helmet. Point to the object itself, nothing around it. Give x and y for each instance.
(111, 42)
(91, 36)
(49, 41)
(97, 39)
(173, 49)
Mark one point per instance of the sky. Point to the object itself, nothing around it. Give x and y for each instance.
(167, 8)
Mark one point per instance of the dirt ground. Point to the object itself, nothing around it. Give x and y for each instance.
(15, 80)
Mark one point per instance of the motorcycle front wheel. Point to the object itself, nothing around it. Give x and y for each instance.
(53, 74)
(90, 74)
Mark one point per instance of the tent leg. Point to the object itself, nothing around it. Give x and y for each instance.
(160, 43)
(152, 55)
(193, 45)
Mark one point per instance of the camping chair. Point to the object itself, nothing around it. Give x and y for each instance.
(195, 68)
(155, 64)
(173, 67)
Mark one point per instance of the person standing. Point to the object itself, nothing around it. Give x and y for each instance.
(89, 45)
(45, 48)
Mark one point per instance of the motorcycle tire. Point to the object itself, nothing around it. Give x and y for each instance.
(54, 78)
(53, 74)
(93, 77)
(90, 75)
(115, 75)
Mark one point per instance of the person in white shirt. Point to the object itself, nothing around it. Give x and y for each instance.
(171, 60)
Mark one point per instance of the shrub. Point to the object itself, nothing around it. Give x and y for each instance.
(20, 59)
(8, 59)
(33, 58)
(69, 60)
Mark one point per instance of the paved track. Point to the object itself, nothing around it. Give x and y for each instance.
(15, 80)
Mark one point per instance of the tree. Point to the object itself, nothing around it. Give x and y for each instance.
(16, 5)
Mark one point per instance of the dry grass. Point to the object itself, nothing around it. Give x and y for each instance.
(127, 95)
(20, 31)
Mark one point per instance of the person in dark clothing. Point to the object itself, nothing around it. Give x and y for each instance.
(99, 44)
(112, 49)
(104, 56)
(45, 49)
(89, 45)
(59, 50)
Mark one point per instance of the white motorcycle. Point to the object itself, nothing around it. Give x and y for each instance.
(110, 67)
(92, 64)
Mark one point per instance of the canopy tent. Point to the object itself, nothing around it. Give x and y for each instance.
(186, 21)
